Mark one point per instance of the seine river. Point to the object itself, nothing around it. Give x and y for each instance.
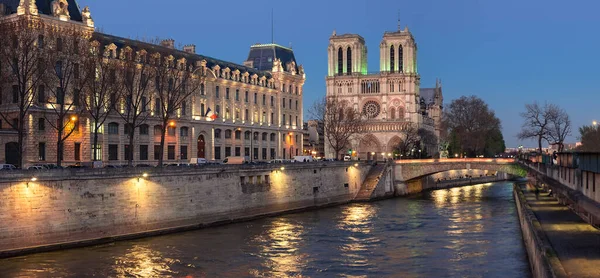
(470, 231)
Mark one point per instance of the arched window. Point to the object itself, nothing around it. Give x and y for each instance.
(238, 134)
(264, 136)
(340, 61)
(400, 59)
(392, 59)
(273, 137)
(113, 128)
(400, 113)
(217, 133)
(144, 129)
(392, 113)
(247, 135)
(183, 131)
(157, 130)
(228, 134)
(349, 60)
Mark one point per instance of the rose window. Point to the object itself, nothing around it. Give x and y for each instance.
(371, 109)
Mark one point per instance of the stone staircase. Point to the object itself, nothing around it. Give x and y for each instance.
(370, 183)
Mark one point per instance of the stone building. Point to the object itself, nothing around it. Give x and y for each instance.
(391, 99)
(255, 109)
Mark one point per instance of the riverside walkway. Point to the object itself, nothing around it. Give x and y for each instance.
(576, 243)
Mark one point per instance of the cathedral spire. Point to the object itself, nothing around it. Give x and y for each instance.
(27, 7)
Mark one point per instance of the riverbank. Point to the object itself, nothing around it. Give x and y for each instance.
(73, 208)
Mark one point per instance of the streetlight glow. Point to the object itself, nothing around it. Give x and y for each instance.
(74, 118)
(172, 123)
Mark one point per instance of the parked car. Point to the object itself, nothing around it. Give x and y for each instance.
(52, 166)
(198, 161)
(143, 165)
(236, 160)
(7, 167)
(113, 166)
(303, 158)
(347, 158)
(36, 167)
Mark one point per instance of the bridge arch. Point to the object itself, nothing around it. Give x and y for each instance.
(413, 169)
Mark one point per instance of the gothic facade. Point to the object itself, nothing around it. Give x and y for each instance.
(252, 109)
(391, 99)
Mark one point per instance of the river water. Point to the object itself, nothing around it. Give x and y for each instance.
(470, 231)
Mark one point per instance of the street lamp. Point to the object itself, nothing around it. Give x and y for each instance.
(73, 118)
(419, 153)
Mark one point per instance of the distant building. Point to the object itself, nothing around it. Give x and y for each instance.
(391, 98)
(314, 140)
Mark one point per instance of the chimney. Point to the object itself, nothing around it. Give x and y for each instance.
(190, 48)
(169, 43)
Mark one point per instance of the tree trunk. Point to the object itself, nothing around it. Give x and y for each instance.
(162, 144)
(20, 142)
(59, 147)
(95, 144)
(131, 133)
(540, 144)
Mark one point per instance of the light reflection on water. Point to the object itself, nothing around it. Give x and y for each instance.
(469, 231)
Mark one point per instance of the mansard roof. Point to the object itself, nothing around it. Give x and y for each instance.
(263, 55)
(106, 39)
(44, 7)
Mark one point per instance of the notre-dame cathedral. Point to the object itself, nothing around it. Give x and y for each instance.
(391, 99)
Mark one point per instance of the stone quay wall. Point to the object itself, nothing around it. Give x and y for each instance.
(65, 208)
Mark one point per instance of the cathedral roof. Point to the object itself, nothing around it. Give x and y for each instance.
(263, 55)
(106, 39)
(429, 94)
(44, 7)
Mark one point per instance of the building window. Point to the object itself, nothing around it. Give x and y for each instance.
(183, 131)
(157, 107)
(126, 152)
(264, 97)
(290, 104)
(41, 94)
(272, 118)
(226, 93)
(283, 102)
(392, 58)
(349, 60)
(42, 151)
(184, 152)
(340, 62)
(255, 154)
(228, 134)
(217, 92)
(143, 152)
(272, 137)
(296, 105)
(246, 97)
(227, 151)
(157, 130)
(98, 151)
(202, 89)
(246, 151)
(264, 153)
(238, 134)
(76, 97)
(238, 151)
(272, 153)
(41, 124)
(217, 152)
(272, 101)
(283, 120)
(400, 59)
(217, 133)
(144, 130)
(246, 115)
(237, 95)
(183, 108)
(113, 128)
(247, 135)
(217, 109)
(255, 136)
(15, 94)
(202, 110)
(171, 130)
(171, 152)
(113, 152)
(157, 151)
(255, 98)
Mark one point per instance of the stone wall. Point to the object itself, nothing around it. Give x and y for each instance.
(65, 207)
(431, 182)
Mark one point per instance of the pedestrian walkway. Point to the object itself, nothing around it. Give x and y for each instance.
(576, 243)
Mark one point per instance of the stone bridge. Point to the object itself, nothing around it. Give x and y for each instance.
(411, 169)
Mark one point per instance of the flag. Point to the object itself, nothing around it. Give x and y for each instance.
(210, 116)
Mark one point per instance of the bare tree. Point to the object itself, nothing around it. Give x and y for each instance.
(559, 127)
(411, 139)
(341, 122)
(65, 80)
(20, 48)
(537, 121)
(175, 83)
(590, 138)
(133, 79)
(95, 100)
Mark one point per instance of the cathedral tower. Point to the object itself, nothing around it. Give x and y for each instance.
(398, 52)
(347, 54)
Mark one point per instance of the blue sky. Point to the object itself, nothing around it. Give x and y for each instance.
(508, 52)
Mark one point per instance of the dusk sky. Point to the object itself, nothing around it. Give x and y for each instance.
(507, 52)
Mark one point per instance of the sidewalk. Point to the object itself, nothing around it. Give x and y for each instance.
(576, 243)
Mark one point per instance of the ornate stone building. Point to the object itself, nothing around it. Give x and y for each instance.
(391, 99)
(256, 107)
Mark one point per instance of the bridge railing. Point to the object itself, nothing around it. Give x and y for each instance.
(456, 160)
